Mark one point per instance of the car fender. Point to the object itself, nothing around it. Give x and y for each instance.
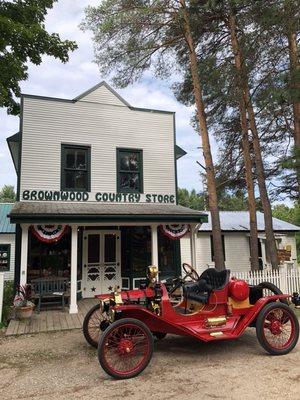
(250, 316)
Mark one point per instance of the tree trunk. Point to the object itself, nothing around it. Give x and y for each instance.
(261, 180)
(295, 88)
(270, 238)
(210, 171)
(246, 147)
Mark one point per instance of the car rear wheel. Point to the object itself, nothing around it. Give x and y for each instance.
(269, 289)
(277, 328)
(94, 323)
(125, 348)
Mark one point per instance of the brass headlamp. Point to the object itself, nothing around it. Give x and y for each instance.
(152, 273)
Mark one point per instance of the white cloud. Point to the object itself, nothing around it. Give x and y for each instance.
(53, 78)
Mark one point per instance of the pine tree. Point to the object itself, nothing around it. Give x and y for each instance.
(132, 36)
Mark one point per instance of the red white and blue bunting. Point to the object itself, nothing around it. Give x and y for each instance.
(49, 233)
(175, 231)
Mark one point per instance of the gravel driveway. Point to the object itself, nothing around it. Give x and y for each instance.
(62, 366)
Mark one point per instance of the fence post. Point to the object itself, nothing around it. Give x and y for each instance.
(1, 293)
(283, 278)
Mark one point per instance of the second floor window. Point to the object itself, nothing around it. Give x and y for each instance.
(75, 168)
(130, 170)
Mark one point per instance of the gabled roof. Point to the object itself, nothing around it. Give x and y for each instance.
(5, 225)
(238, 221)
(85, 96)
(102, 84)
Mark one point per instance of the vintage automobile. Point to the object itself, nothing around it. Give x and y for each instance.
(213, 307)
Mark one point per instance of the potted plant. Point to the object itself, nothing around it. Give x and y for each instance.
(22, 304)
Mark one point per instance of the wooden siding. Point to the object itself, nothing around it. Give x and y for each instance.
(9, 238)
(103, 95)
(237, 250)
(104, 127)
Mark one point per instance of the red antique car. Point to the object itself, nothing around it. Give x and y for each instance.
(212, 307)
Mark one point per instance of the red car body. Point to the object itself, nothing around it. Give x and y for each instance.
(195, 324)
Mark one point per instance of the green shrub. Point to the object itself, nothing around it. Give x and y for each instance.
(8, 297)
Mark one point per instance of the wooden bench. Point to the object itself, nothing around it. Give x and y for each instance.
(49, 288)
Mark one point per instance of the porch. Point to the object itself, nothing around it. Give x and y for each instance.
(50, 320)
(91, 255)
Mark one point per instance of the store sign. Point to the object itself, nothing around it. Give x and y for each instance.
(103, 197)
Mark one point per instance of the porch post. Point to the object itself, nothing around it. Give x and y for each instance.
(193, 245)
(263, 252)
(24, 254)
(154, 245)
(74, 248)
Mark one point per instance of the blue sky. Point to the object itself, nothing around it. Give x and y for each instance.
(53, 78)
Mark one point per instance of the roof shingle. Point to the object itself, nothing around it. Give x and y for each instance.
(5, 225)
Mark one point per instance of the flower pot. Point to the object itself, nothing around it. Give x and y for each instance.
(24, 312)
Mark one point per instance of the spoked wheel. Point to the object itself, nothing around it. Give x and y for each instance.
(277, 328)
(125, 348)
(94, 323)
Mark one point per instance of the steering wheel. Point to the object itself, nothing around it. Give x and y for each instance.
(190, 271)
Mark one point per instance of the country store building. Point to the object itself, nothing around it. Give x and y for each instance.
(96, 188)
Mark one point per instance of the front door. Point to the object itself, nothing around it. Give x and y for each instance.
(101, 262)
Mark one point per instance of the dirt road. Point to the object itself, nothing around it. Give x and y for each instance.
(62, 366)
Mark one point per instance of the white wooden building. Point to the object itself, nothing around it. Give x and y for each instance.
(235, 234)
(97, 180)
(102, 175)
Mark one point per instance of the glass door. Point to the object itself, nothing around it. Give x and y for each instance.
(101, 262)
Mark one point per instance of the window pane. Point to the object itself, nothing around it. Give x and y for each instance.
(133, 161)
(129, 181)
(70, 181)
(80, 178)
(81, 159)
(76, 180)
(110, 248)
(124, 161)
(70, 158)
(129, 161)
(93, 249)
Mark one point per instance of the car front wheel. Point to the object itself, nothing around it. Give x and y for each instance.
(277, 328)
(125, 348)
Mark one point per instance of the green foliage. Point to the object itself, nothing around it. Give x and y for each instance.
(288, 214)
(23, 38)
(198, 201)
(191, 199)
(8, 297)
(133, 36)
(7, 194)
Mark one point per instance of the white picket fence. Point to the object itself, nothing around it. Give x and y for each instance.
(287, 281)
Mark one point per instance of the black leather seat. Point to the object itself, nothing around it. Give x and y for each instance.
(209, 280)
(217, 279)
